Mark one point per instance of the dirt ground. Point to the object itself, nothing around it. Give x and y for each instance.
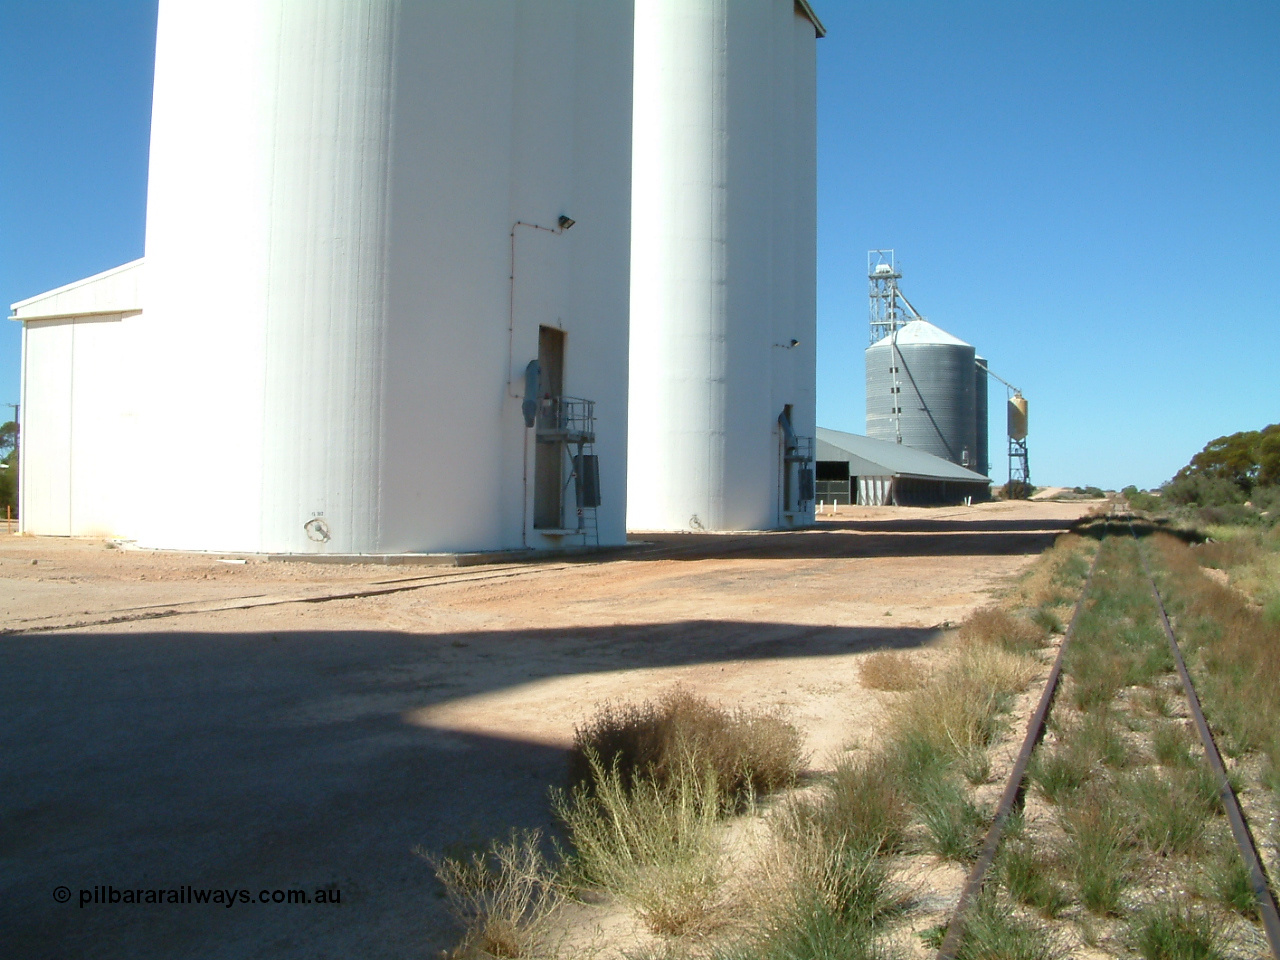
(171, 721)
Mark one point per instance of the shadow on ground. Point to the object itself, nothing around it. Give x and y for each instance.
(285, 762)
(835, 539)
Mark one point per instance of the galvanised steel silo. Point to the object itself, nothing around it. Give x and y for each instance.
(723, 275)
(982, 443)
(356, 243)
(920, 392)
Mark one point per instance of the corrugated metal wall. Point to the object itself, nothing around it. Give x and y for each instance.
(936, 400)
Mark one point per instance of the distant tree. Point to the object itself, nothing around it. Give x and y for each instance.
(9, 472)
(1141, 499)
(1269, 456)
(1017, 490)
(1229, 469)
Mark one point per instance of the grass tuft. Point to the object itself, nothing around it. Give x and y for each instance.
(1047, 620)
(1098, 853)
(1169, 820)
(1059, 772)
(1227, 879)
(1028, 877)
(954, 824)
(1170, 933)
(1172, 746)
(994, 932)
(864, 808)
(962, 710)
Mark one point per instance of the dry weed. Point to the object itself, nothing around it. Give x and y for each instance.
(888, 670)
(750, 752)
(1057, 576)
(960, 711)
(999, 628)
(1237, 650)
(505, 897)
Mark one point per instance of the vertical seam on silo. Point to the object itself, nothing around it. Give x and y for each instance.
(718, 292)
(269, 142)
(391, 33)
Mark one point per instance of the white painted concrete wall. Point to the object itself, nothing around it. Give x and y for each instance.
(723, 259)
(522, 112)
(333, 187)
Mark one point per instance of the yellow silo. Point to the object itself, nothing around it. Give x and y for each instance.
(1018, 417)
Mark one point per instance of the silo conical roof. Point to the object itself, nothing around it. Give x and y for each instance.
(922, 331)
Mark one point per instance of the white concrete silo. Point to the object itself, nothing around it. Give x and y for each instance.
(723, 263)
(338, 319)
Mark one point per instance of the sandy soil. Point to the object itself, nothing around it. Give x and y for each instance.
(176, 719)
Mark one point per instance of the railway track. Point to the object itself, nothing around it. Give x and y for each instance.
(1014, 792)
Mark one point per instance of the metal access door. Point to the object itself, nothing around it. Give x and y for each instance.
(548, 456)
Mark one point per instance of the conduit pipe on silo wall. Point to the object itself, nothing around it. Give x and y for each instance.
(565, 224)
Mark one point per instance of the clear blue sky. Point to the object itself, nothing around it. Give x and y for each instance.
(1088, 192)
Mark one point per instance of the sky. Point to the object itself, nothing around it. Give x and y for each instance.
(1087, 192)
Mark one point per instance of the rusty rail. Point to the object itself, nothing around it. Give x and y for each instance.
(1235, 816)
(1014, 791)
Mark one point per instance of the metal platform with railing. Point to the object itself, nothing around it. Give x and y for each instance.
(570, 424)
(567, 419)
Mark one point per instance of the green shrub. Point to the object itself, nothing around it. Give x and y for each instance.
(653, 843)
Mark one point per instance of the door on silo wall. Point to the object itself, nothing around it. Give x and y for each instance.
(548, 457)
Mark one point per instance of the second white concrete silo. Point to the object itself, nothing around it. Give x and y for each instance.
(355, 246)
(723, 265)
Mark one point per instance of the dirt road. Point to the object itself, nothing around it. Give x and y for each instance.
(175, 721)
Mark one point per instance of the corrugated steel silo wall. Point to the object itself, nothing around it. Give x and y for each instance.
(937, 396)
(982, 463)
(723, 259)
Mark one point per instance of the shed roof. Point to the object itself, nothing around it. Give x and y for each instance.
(114, 291)
(803, 7)
(882, 458)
